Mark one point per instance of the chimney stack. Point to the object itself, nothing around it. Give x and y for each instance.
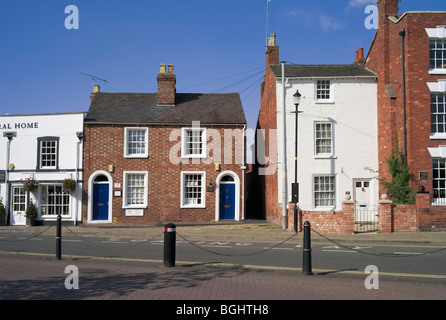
(386, 9)
(96, 89)
(166, 85)
(359, 57)
(272, 52)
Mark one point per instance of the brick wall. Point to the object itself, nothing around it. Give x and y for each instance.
(267, 121)
(104, 146)
(385, 58)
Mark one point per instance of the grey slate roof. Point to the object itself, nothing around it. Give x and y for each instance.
(321, 71)
(142, 108)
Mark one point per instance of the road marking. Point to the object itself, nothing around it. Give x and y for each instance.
(348, 251)
(215, 246)
(403, 253)
(113, 241)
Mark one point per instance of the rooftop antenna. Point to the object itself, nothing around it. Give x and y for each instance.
(267, 16)
(94, 78)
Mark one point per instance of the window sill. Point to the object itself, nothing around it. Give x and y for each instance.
(193, 207)
(135, 207)
(437, 136)
(325, 208)
(437, 71)
(328, 156)
(324, 102)
(144, 156)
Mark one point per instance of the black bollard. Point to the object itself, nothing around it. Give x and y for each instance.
(169, 245)
(59, 238)
(306, 268)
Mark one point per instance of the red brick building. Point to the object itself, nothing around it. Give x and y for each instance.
(163, 157)
(412, 106)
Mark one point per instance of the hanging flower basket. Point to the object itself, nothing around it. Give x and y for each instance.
(69, 185)
(30, 184)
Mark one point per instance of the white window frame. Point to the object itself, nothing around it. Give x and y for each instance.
(125, 205)
(56, 153)
(323, 155)
(435, 34)
(127, 154)
(438, 179)
(330, 91)
(203, 189)
(438, 88)
(324, 207)
(44, 201)
(184, 148)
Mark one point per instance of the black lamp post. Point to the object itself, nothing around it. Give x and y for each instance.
(295, 186)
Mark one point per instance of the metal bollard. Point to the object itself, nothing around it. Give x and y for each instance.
(306, 265)
(59, 238)
(169, 245)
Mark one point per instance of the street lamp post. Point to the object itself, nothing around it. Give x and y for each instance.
(9, 136)
(295, 186)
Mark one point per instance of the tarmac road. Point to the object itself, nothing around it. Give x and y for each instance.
(41, 276)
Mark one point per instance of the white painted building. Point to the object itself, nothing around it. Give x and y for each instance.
(337, 134)
(48, 149)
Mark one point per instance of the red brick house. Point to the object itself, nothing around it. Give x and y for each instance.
(163, 157)
(408, 53)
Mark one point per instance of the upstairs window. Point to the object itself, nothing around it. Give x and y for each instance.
(323, 138)
(438, 113)
(437, 49)
(437, 54)
(136, 142)
(48, 153)
(323, 90)
(193, 143)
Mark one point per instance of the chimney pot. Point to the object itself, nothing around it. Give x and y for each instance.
(170, 68)
(163, 68)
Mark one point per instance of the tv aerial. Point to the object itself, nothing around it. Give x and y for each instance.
(94, 78)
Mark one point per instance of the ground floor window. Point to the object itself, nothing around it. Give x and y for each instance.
(324, 191)
(439, 181)
(135, 189)
(193, 189)
(54, 200)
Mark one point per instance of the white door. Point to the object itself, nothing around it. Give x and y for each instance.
(362, 193)
(364, 210)
(18, 206)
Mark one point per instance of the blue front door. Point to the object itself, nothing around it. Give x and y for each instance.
(100, 201)
(227, 201)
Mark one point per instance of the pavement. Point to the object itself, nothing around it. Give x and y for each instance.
(26, 276)
(248, 230)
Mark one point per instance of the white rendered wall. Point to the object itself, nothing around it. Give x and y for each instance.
(353, 114)
(24, 150)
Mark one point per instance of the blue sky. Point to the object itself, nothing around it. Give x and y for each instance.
(215, 46)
